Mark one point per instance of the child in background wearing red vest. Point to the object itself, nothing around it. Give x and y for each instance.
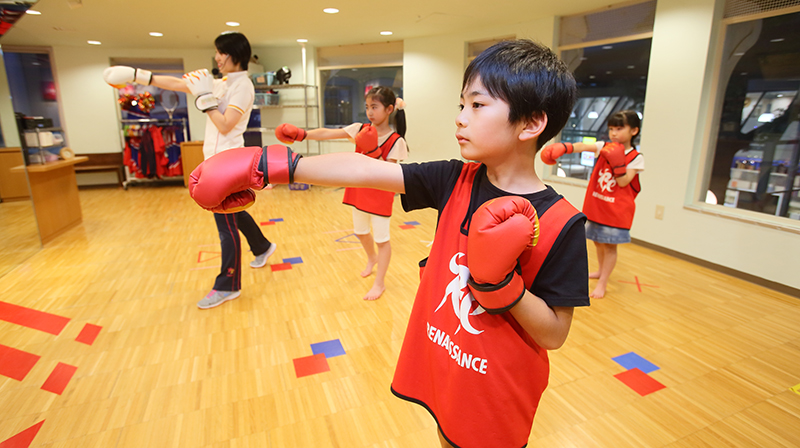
(370, 206)
(500, 285)
(609, 203)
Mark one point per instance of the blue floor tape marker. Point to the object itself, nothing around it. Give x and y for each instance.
(293, 260)
(632, 360)
(411, 223)
(276, 219)
(342, 239)
(329, 348)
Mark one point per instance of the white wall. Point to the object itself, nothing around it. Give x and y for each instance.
(674, 119)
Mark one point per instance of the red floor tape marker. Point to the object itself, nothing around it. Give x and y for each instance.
(23, 439)
(27, 317)
(310, 365)
(89, 334)
(638, 285)
(15, 363)
(59, 378)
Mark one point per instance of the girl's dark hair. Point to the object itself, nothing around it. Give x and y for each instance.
(530, 78)
(386, 96)
(626, 118)
(236, 46)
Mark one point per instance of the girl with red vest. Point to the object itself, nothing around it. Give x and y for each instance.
(609, 203)
(377, 140)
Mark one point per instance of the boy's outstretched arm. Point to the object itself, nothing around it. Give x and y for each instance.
(216, 182)
(350, 169)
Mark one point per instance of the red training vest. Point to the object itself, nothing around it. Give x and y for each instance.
(605, 202)
(370, 200)
(480, 375)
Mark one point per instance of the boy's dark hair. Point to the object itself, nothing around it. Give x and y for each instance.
(626, 118)
(236, 46)
(386, 96)
(530, 78)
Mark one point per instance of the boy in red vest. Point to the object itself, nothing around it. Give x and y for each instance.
(609, 203)
(508, 262)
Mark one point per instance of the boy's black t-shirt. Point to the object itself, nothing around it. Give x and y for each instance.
(563, 279)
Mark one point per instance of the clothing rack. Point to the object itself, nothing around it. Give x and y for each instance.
(130, 177)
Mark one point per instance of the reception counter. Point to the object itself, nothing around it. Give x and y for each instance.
(54, 190)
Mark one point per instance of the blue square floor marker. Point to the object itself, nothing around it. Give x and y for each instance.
(293, 260)
(411, 223)
(632, 360)
(329, 348)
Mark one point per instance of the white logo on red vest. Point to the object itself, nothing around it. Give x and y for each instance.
(606, 181)
(460, 297)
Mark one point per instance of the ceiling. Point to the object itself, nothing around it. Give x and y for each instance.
(195, 23)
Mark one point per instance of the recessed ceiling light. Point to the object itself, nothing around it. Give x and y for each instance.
(33, 12)
(607, 47)
(631, 67)
(232, 23)
(386, 33)
(780, 39)
(302, 41)
(94, 42)
(156, 34)
(330, 10)
(592, 76)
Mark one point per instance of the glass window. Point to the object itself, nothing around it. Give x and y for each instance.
(608, 51)
(610, 78)
(344, 90)
(755, 153)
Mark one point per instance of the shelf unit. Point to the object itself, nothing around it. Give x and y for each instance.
(307, 102)
(39, 146)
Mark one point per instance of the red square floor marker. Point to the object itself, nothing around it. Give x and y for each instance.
(22, 439)
(27, 317)
(311, 365)
(639, 381)
(15, 363)
(59, 378)
(407, 226)
(280, 267)
(89, 334)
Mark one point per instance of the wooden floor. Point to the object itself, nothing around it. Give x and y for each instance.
(163, 373)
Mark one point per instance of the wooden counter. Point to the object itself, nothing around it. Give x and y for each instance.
(55, 196)
(191, 156)
(13, 184)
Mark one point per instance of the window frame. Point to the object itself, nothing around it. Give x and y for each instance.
(703, 160)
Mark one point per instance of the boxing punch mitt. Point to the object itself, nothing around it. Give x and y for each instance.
(367, 142)
(119, 75)
(220, 183)
(289, 133)
(615, 154)
(500, 231)
(552, 152)
(201, 84)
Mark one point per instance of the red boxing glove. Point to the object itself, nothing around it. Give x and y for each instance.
(551, 152)
(219, 183)
(236, 202)
(615, 154)
(500, 231)
(228, 172)
(367, 142)
(289, 133)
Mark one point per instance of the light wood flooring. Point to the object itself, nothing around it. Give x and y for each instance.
(163, 373)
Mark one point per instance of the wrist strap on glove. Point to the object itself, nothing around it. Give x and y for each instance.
(206, 102)
(499, 298)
